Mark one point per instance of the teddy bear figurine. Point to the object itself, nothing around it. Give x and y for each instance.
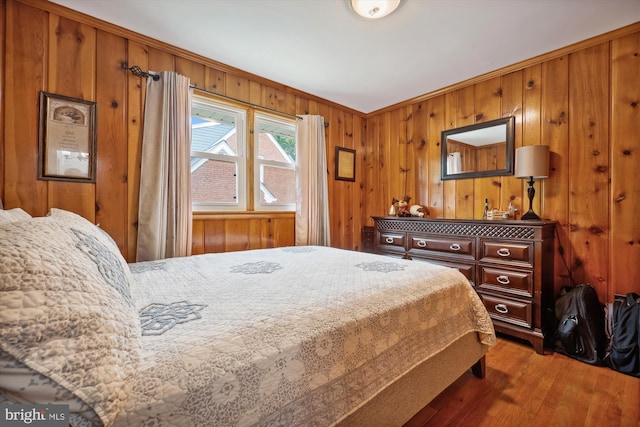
(403, 206)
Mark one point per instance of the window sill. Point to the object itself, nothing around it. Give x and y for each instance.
(239, 215)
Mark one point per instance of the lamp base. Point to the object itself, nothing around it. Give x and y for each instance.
(530, 215)
(531, 192)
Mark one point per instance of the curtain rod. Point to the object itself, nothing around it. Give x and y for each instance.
(137, 71)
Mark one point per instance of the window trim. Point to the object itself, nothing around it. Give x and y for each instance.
(240, 159)
(248, 165)
(260, 116)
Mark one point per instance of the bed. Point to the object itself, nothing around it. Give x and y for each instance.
(294, 336)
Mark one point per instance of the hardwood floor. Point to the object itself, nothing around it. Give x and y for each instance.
(523, 388)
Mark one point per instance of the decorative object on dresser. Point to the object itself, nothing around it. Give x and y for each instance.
(509, 263)
(532, 162)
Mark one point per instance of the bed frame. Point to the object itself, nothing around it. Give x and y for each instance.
(400, 401)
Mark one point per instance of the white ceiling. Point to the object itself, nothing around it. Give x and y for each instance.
(321, 47)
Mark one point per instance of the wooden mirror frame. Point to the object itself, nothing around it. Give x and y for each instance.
(509, 149)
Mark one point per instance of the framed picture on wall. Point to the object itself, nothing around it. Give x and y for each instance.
(345, 169)
(67, 139)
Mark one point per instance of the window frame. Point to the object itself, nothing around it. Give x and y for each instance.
(248, 165)
(260, 116)
(240, 159)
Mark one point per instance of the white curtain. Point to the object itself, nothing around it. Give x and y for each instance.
(454, 162)
(312, 204)
(164, 216)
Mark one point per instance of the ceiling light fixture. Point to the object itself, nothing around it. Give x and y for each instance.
(374, 9)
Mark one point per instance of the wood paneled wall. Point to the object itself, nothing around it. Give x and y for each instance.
(584, 103)
(50, 48)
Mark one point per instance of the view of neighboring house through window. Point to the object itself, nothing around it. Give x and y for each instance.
(221, 155)
(275, 158)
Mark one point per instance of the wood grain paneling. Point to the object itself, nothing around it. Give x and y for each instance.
(112, 167)
(137, 54)
(464, 115)
(197, 240)
(191, 69)
(74, 77)
(555, 134)
(214, 80)
(160, 60)
(488, 103)
(589, 166)
(450, 186)
(228, 233)
(434, 187)
(26, 40)
(510, 186)
(358, 213)
(531, 129)
(625, 157)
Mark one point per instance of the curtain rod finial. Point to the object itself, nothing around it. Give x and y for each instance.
(137, 71)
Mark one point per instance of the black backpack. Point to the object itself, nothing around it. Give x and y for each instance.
(580, 324)
(623, 331)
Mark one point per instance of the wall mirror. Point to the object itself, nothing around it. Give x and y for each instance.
(483, 149)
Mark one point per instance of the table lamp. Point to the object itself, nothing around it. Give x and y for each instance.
(532, 162)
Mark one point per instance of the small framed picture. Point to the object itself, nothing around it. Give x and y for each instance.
(67, 139)
(345, 164)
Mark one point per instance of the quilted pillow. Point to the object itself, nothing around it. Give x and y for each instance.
(66, 312)
(13, 215)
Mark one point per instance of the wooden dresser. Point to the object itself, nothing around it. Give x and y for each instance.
(509, 263)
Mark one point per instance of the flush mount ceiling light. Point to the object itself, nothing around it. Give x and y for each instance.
(374, 9)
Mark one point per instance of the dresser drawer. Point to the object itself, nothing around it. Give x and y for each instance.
(519, 283)
(387, 238)
(495, 251)
(449, 246)
(508, 310)
(468, 270)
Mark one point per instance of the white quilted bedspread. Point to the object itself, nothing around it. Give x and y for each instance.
(296, 336)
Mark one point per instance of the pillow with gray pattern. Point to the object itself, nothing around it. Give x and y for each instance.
(13, 215)
(66, 312)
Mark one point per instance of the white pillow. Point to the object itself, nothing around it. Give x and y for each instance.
(66, 311)
(13, 215)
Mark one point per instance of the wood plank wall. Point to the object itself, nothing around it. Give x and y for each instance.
(50, 48)
(583, 102)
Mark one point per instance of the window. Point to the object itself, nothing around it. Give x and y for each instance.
(218, 156)
(274, 159)
(222, 158)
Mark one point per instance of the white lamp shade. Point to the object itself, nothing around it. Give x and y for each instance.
(374, 9)
(532, 161)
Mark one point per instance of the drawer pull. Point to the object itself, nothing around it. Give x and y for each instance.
(421, 243)
(501, 308)
(503, 280)
(455, 247)
(389, 240)
(503, 252)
